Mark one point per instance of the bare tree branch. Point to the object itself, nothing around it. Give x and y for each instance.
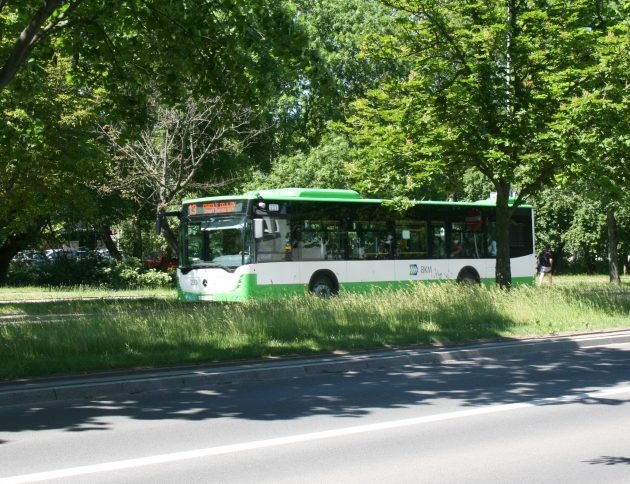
(166, 158)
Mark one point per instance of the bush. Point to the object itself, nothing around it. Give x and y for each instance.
(582, 266)
(91, 270)
(23, 274)
(132, 275)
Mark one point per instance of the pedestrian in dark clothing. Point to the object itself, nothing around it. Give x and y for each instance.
(545, 264)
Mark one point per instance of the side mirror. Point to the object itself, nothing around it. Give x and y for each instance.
(259, 230)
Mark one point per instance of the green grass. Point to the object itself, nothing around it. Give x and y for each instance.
(79, 292)
(86, 335)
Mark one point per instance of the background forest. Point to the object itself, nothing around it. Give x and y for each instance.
(114, 110)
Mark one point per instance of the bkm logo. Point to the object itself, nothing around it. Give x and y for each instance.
(413, 269)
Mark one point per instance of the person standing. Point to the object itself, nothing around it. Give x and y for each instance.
(545, 264)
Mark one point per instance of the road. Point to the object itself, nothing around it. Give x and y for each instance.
(540, 417)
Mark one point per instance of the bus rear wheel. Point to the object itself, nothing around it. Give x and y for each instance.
(468, 277)
(322, 286)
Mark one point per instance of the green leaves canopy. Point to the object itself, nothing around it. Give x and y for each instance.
(488, 86)
(91, 63)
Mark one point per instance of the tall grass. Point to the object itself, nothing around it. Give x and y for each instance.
(124, 334)
(78, 292)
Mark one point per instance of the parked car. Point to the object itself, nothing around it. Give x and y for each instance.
(156, 261)
(59, 255)
(30, 257)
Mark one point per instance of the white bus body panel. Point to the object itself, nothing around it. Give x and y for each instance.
(218, 281)
(210, 280)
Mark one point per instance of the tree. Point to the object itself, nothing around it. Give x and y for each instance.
(140, 39)
(336, 70)
(327, 165)
(597, 143)
(46, 155)
(69, 66)
(308, 151)
(486, 90)
(36, 25)
(181, 141)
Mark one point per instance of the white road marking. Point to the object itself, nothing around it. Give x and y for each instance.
(308, 437)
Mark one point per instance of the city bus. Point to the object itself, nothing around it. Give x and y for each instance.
(272, 243)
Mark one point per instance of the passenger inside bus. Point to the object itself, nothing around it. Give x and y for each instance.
(438, 250)
(457, 248)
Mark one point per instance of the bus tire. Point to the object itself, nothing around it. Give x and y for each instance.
(468, 276)
(323, 284)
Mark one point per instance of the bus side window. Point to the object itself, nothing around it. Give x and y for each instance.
(357, 250)
(520, 235)
(378, 240)
(312, 243)
(468, 235)
(333, 240)
(412, 240)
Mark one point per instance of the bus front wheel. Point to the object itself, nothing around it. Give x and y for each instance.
(322, 286)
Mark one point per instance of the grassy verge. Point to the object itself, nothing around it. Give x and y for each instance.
(89, 335)
(78, 292)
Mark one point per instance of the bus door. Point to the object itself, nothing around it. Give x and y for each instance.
(412, 250)
(274, 246)
(371, 246)
(468, 241)
(438, 249)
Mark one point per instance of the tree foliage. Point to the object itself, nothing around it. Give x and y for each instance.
(337, 69)
(69, 66)
(328, 165)
(180, 142)
(395, 98)
(598, 142)
(487, 88)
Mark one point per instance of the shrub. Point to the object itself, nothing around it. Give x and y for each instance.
(132, 275)
(89, 269)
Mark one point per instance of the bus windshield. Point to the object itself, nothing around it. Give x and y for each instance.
(214, 242)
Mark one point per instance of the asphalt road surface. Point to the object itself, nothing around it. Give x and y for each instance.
(541, 417)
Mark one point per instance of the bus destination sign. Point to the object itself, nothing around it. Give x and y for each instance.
(214, 208)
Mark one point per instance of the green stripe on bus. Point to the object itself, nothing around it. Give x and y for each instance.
(248, 287)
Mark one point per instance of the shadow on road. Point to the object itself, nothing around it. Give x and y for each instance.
(350, 395)
(609, 460)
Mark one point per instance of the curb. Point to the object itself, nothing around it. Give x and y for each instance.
(102, 386)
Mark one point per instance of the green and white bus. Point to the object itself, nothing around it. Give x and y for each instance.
(272, 243)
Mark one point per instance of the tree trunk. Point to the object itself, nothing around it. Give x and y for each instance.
(27, 40)
(136, 239)
(7, 252)
(590, 263)
(11, 246)
(558, 258)
(106, 237)
(169, 236)
(613, 256)
(503, 273)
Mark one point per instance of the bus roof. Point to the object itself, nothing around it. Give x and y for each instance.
(330, 195)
